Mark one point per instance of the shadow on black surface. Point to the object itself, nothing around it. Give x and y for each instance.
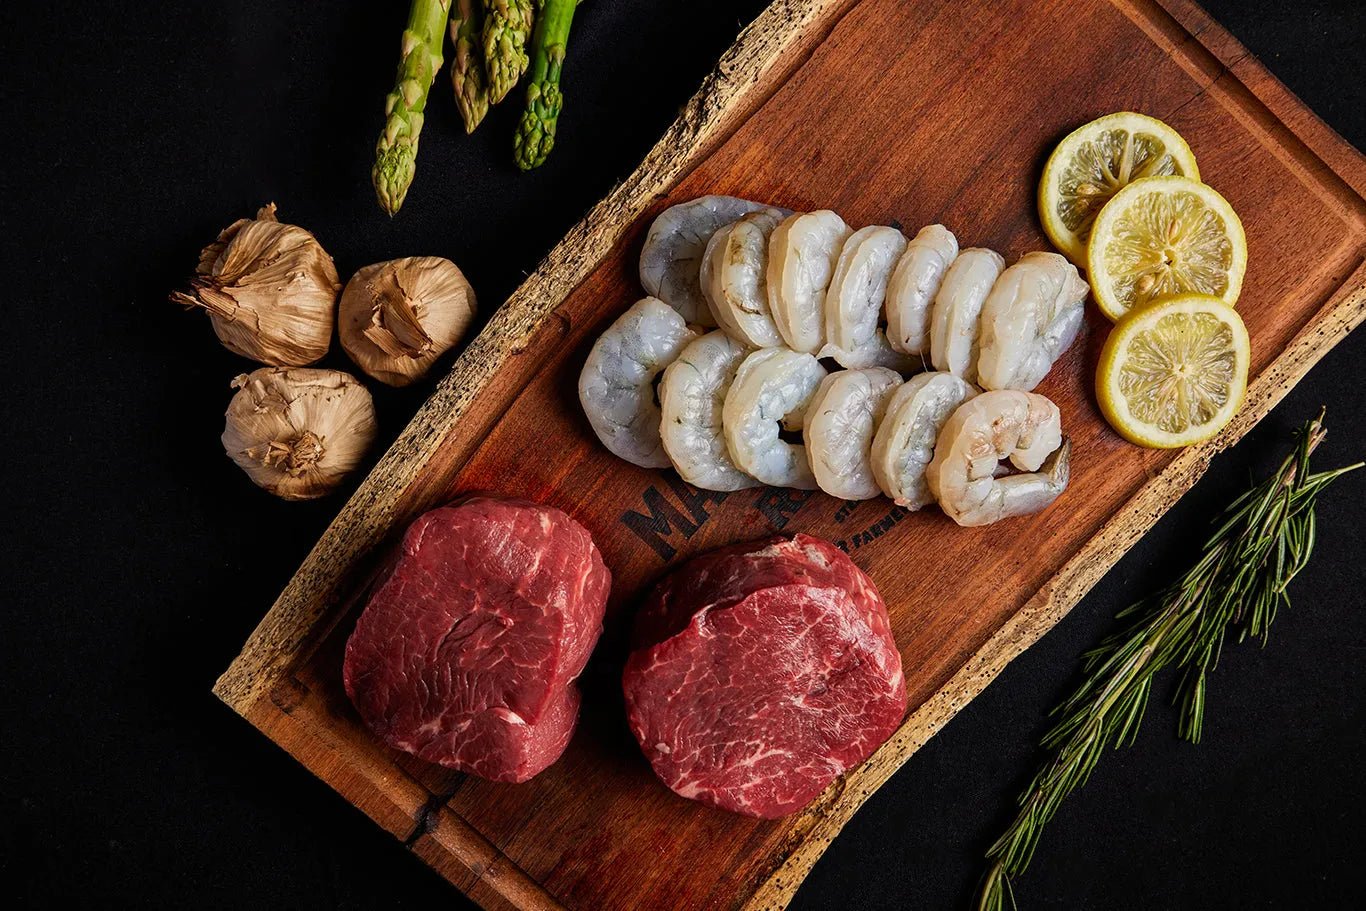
(138, 558)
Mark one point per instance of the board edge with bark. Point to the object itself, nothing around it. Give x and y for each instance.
(767, 52)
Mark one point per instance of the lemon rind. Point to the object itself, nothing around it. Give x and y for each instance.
(1109, 212)
(1069, 244)
(1113, 404)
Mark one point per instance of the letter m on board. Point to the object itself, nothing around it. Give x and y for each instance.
(662, 520)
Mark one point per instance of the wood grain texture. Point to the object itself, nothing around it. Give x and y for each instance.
(885, 111)
(765, 52)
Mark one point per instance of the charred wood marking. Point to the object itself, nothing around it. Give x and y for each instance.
(662, 519)
(779, 504)
(425, 819)
(846, 510)
(873, 532)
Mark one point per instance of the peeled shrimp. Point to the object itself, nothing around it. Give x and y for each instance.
(734, 280)
(857, 289)
(853, 302)
(1030, 317)
(669, 262)
(957, 306)
(772, 386)
(692, 393)
(914, 283)
(1022, 426)
(904, 444)
(840, 422)
(802, 253)
(876, 352)
(616, 387)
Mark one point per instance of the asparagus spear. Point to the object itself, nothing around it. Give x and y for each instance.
(467, 69)
(396, 152)
(507, 25)
(536, 132)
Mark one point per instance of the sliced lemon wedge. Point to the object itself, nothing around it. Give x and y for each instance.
(1174, 372)
(1162, 236)
(1094, 163)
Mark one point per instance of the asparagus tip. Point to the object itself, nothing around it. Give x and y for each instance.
(393, 175)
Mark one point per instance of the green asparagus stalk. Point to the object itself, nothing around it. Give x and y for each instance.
(507, 26)
(467, 69)
(396, 152)
(536, 132)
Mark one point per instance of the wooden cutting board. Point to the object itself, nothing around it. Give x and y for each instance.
(887, 112)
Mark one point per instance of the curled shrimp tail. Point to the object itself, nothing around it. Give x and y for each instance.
(1058, 467)
(1025, 494)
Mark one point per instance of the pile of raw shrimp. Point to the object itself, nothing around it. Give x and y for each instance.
(788, 290)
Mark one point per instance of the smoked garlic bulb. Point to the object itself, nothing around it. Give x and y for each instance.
(270, 290)
(398, 317)
(298, 432)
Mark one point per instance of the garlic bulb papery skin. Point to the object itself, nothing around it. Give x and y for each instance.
(270, 290)
(299, 431)
(397, 317)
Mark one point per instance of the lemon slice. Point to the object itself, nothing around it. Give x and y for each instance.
(1162, 236)
(1174, 372)
(1094, 163)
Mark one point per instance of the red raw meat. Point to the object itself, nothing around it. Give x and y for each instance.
(467, 651)
(762, 672)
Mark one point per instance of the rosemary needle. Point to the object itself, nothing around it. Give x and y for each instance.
(1261, 541)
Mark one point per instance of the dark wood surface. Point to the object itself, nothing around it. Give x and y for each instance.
(951, 125)
(136, 558)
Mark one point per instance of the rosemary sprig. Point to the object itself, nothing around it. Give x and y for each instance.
(1262, 540)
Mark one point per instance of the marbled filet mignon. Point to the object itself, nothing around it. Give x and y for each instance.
(469, 645)
(762, 672)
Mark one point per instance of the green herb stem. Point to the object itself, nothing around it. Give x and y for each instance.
(1260, 543)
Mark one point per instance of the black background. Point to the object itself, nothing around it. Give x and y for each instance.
(137, 558)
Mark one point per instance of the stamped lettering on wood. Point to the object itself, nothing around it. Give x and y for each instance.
(661, 519)
(783, 120)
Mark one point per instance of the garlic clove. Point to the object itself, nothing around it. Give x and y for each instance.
(270, 290)
(396, 318)
(298, 432)
(394, 326)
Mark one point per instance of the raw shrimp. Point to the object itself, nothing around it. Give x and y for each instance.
(616, 387)
(840, 422)
(957, 306)
(1030, 318)
(772, 386)
(857, 289)
(904, 444)
(670, 260)
(875, 352)
(692, 393)
(802, 253)
(914, 283)
(1022, 426)
(734, 280)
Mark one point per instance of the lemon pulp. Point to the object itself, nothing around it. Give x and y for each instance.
(1098, 160)
(1174, 372)
(1164, 236)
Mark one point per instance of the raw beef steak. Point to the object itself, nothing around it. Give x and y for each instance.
(762, 672)
(468, 648)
